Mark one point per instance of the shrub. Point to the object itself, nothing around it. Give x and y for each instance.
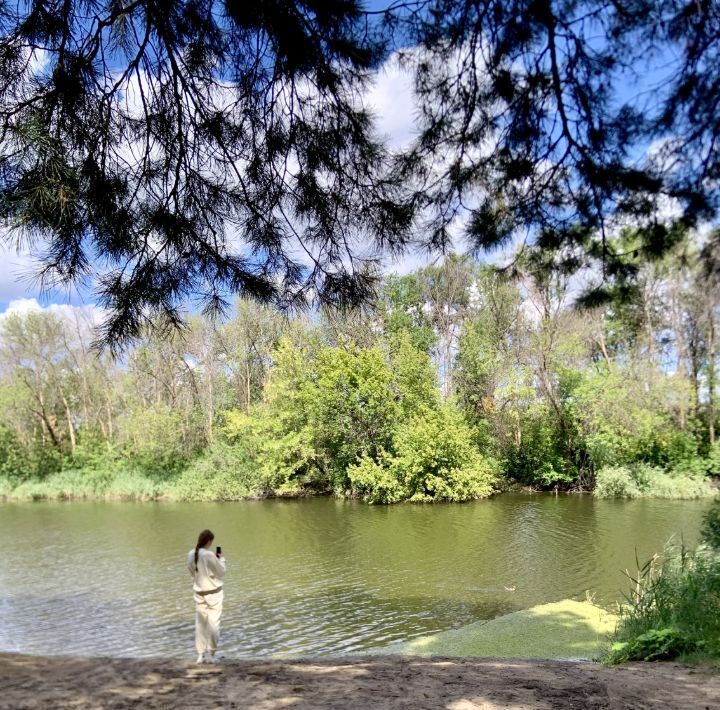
(603, 449)
(434, 459)
(664, 446)
(377, 481)
(711, 526)
(539, 459)
(223, 472)
(20, 462)
(694, 467)
(653, 645)
(679, 486)
(643, 480)
(672, 610)
(160, 440)
(6, 487)
(713, 460)
(616, 482)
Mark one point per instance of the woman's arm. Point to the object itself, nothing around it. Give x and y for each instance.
(218, 566)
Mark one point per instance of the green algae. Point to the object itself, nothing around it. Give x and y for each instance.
(566, 629)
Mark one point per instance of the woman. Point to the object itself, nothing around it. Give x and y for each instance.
(207, 570)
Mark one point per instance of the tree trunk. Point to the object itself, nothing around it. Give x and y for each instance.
(108, 409)
(711, 379)
(71, 427)
(210, 407)
(42, 416)
(603, 346)
(247, 382)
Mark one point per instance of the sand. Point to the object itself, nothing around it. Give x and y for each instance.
(351, 684)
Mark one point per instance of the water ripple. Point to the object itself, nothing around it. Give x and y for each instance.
(312, 577)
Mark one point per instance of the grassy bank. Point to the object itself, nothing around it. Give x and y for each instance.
(206, 480)
(89, 485)
(673, 607)
(685, 481)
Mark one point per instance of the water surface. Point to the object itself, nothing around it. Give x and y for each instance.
(310, 576)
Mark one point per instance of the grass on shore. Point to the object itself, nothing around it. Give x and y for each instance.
(673, 611)
(79, 484)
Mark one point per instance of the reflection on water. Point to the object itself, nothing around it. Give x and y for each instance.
(311, 576)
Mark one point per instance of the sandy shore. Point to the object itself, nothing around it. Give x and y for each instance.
(378, 682)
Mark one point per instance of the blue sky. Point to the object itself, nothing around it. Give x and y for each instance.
(392, 100)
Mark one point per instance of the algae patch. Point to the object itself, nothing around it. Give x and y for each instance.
(566, 629)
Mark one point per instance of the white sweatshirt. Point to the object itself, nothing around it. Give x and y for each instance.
(210, 570)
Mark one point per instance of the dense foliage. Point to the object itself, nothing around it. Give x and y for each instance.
(459, 381)
(673, 609)
(711, 526)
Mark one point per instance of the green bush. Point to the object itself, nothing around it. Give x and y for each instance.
(616, 482)
(711, 526)
(19, 462)
(667, 448)
(603, 449)
(643, 480)
(6, 487)
(653, 645)
(695, 467)
(377, 481)
(539, 459)
(161, 440)
(434, 459)
(685, 487)
(713, 460)
(672, 610)
(223, 472)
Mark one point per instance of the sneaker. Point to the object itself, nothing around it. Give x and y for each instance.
(200, 658)
(212, 658)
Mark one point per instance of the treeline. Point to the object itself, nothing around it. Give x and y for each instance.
(459, 380)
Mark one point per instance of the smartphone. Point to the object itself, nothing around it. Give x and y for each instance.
(218, 550)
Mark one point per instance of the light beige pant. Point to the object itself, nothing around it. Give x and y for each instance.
(208, 609)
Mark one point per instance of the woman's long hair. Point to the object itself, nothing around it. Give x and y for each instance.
(203, 539)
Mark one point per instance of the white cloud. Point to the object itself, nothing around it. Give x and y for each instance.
(88, 316)
(21, 307)
(392, 100)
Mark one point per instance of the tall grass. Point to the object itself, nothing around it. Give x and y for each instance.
(711, 526)
(672, 610)
(643, 481)
(78, 484)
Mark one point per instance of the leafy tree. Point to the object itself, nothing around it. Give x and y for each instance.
(33, 351)
(490, 344)
(433, 459)
(401, 306)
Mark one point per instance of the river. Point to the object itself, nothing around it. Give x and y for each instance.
(316, 576)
